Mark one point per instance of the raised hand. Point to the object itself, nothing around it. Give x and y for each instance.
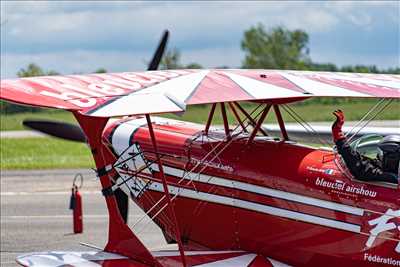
(337, 125)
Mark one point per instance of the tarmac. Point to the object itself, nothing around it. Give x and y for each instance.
(35, 214)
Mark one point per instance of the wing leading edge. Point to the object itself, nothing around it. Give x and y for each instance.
(134, 93)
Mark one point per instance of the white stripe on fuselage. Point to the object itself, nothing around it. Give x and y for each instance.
(238, 203)
(121, 140)
(121, 136)
(230, 183)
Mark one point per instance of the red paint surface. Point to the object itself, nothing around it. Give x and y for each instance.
(275, 165)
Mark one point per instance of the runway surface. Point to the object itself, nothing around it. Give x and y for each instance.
(35, 214)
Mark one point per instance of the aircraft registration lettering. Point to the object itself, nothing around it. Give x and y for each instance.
(86, 91)
(72, 97)
(382, 224)
(105, 89)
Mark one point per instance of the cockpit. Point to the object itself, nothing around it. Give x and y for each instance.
(381, 152)
(367, 146)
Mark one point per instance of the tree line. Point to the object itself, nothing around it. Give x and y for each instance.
(274, 48)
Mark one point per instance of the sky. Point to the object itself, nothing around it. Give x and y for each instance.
(80, 37)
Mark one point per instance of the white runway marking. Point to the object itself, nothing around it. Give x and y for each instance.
(47, 193)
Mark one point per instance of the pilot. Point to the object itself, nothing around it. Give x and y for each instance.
(385, 168)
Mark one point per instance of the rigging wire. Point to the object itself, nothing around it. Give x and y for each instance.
(197, 165)
(304, 124)
(125, 180)
(381, 109)
(291, 112)
(366, 115)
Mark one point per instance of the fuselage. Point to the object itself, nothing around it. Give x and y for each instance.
(287, 201)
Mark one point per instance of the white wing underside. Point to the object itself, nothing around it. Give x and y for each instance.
(97, 258)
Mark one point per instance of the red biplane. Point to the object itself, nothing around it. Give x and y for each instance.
(234, 196)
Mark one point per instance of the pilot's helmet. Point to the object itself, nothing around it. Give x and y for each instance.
(390, 147)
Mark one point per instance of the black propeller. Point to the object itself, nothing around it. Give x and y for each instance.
(58, 129)
(155, 61)
(73, 132)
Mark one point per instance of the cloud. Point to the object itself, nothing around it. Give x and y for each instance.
(58, 26)
(206, 32)
(79, 61)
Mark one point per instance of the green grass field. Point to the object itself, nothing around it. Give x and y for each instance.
(315, 112)
(43, 153)
(11, 122)
(199, 114)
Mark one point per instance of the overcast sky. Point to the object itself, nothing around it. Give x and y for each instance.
(71, 37)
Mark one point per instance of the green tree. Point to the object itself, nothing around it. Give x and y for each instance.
(322, 67)
(193, 66)
(30, 71)
(392, 71)
(277, 48)
(360, 69)
(101, 70)
(34, 70)
(172, 60)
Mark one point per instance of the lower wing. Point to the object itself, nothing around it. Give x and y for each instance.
(165, 258)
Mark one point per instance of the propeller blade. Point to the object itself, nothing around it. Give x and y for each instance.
(159, 52)
(58, 129)
(123, 203)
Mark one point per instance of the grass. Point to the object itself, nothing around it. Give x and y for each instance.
(309, 111)
(43, 153)
(13, 122)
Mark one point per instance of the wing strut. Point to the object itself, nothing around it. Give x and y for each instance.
(280, 122)
(239, 120)
(210, 118)
(166, 192)
(225, 118)
(253, 123)
(259, 123)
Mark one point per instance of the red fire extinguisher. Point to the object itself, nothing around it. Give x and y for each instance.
(75, 205)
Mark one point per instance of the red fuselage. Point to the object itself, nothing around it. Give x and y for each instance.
(287, 201)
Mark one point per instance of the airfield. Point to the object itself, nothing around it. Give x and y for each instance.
(35, 214)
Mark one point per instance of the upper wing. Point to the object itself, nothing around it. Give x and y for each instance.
(130, 93)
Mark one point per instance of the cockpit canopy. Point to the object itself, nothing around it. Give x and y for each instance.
(370, 146)
(367, 145)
